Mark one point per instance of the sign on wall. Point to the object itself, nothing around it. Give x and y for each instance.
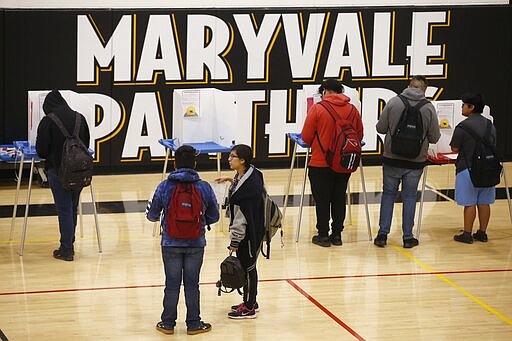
(129, 63)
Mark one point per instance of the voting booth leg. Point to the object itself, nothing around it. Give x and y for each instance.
(349, 203)
(302, 195)
(27, 204)
(365, 199)
(80, 214)
(164, 171)
(285, 204)
(422, 198)
(98, 235)
(14, 211)
(508, 194)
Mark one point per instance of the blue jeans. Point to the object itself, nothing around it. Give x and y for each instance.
(182, 263)
(66, 204)
(392, 176)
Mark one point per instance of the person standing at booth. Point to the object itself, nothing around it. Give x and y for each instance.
(397, 168)
(49, 145)
(328, 187)
(466, 194)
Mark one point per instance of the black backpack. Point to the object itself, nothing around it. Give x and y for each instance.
(232, 275)
(485, 170)
(75, 171)
(408, 138)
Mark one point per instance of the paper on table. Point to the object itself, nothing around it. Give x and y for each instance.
(220, 191)
(451, 156)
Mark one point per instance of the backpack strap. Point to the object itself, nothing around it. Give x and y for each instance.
(407, 105)
(78, 120)
(327, 106)
(61, 126)
(478, 138)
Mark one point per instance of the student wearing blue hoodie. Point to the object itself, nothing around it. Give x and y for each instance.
(182, 257)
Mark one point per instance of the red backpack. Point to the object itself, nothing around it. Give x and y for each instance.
(184, 216)
(344, 152)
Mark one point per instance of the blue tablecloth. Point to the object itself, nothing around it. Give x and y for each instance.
(297, 138)
(201, 147)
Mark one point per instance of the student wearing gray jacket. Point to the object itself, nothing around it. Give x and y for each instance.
(398, 169)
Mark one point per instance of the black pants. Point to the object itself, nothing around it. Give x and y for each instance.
(329, 190)
(248, 259)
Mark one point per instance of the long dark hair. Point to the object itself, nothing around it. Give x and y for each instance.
(244, 152)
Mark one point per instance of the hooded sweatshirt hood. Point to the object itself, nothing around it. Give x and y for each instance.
(52, 101)
(184, 175)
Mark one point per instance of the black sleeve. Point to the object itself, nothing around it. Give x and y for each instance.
(84, 131)
(43, 139)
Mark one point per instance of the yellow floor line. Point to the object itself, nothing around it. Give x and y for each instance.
(455, 286)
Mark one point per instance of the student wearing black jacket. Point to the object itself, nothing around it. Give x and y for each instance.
(246, 226)
(49, 145)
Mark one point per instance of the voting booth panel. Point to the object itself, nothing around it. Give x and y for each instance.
(449, 115)
(309, 95)
(201, 115)
(36, 98)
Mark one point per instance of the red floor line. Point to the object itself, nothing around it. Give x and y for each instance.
(325, 310)
(263, 280)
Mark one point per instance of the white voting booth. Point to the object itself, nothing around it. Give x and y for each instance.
(35, 113)
(204, 115)
(206, 119)
(449, 115)
(306, 98)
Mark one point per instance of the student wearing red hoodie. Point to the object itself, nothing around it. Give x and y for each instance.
(328, 187)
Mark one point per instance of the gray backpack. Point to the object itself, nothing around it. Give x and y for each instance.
(75, 171)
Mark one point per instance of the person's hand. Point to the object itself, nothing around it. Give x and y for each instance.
(232, 248)
(223, 179)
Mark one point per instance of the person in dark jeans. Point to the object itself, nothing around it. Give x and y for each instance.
(328, 187)
(398, 169)
(182, 258)
(49, 143)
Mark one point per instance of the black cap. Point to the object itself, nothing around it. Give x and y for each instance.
(476, 100)
(332, 85)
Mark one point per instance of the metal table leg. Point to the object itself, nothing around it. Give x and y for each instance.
(285, 204)
(302, 195)
(365, 199)
(14, 211)
(27, 205)
(422, 197)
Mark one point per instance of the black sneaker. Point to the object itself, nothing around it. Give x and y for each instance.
(335, 240)
(321, 241)
(203, 328)
(63, 255)
(161, 327)
(464, 237)
(242, 313)
(235, 307)
(481, 236)
(410, 243)
(380, 240)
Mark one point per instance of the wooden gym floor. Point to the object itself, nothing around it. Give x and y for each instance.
(440, 290)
